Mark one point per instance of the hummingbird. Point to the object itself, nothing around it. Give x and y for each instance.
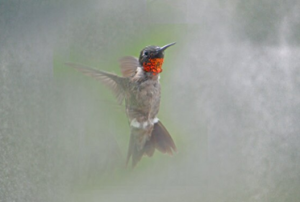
(139, 86)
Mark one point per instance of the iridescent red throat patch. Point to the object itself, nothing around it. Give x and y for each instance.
(153, 65)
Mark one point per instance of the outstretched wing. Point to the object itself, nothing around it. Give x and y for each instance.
(128, 65)
(113, 82)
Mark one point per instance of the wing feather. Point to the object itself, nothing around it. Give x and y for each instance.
(113, 82)
(128, 65)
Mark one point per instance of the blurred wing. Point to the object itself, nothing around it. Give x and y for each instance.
(128, 65)
(112, 81)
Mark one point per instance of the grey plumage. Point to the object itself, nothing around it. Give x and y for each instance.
(141, 91)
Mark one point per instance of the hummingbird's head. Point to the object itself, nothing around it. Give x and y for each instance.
(152, 58)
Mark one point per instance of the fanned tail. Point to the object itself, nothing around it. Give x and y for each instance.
(160, 139)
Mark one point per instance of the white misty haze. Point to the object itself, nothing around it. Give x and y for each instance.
(230, 99)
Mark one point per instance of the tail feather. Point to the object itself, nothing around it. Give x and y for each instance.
(136, 147)
(160, 139)
(149, 147)
(136, 156)
(130, 149)
(163, 140)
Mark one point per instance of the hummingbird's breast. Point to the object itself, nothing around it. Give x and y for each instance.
(143, 100)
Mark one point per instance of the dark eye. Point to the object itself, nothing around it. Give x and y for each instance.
(146, 53)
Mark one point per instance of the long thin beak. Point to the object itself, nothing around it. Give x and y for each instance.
(166, 46)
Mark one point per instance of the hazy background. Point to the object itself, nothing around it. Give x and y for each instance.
(230, 99)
